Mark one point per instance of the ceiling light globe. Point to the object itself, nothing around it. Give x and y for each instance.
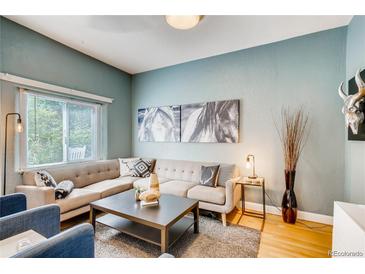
(183, 22)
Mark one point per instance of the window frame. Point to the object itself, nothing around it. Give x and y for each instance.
(97, 141)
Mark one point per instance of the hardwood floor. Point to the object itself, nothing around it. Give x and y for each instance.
(281, 240)
(278, 239)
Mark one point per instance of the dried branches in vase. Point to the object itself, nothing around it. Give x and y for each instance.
(293, 134)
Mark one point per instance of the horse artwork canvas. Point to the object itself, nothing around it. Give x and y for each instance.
(159, 124)
(210, 122)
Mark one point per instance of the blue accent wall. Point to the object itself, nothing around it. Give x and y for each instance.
(301, 71)
(355, 150)
(31, 55)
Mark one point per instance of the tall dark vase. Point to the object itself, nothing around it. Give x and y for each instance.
(289, 203)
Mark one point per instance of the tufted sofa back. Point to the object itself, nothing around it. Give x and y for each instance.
(84, 174)
(191, 171)
(81, 174)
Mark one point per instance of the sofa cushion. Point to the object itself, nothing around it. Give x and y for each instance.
(191, 170)
(77, 198)
(176, 187)
(81, 174)
(113, 186)
(178, 170)
(144, 182)
(226, 172)
(215, 195)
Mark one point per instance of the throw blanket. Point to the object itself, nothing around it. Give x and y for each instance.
(63, 189)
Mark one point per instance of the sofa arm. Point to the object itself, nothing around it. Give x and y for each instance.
(37, 196)
(12, 203)
(233, 194)
(76, 242)
(45, 220)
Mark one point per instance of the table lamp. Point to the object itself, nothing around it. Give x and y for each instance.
(250, 163)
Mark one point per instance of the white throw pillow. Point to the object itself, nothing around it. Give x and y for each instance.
(43, 178)
(126, 166)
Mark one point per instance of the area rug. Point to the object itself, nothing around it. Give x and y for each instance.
(213, 241)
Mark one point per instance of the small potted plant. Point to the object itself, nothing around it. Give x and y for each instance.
(138, 191)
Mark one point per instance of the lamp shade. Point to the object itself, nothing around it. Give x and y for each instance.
(250, 163)
(19, 126)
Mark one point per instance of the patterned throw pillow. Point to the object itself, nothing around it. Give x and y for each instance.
(63, 189)
(126, 166)
(153, 163)
(43, 178)
(209, 175)
(142, 168)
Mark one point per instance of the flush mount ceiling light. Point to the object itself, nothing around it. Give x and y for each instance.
(183, 22)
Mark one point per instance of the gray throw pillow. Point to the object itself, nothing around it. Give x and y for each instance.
(209, 175)
(43, 178)
(226, 172)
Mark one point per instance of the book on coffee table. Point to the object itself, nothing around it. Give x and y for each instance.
(146, 204)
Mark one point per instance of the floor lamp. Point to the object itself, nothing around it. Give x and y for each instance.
(19, 128)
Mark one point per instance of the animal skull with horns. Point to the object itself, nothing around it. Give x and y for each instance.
(353, 114)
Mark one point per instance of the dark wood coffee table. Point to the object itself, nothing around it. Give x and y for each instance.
(162, 225)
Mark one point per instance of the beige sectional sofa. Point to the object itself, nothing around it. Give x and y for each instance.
(99, 179)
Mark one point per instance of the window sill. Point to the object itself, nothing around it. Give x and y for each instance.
(56, 165)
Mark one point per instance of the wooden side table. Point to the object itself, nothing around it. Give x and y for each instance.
(256, 182)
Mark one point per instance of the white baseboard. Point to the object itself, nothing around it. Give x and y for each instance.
(303, 215)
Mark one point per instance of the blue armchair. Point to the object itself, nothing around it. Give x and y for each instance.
(77, 242)
(12, 203)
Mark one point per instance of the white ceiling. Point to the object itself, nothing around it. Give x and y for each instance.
(140, 43)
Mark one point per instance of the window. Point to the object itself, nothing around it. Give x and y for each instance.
(59, 130)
